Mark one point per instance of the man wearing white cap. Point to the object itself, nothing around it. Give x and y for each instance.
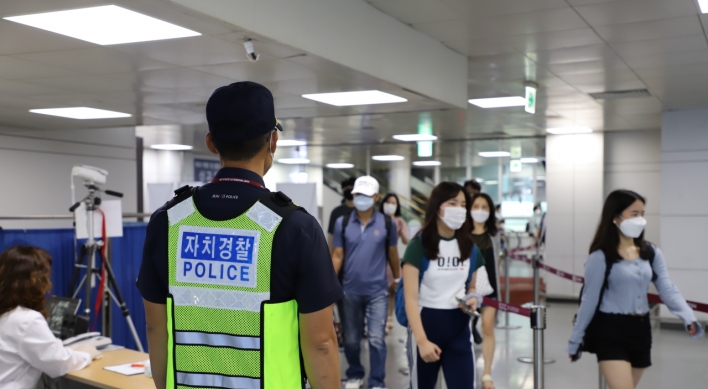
(365, 242)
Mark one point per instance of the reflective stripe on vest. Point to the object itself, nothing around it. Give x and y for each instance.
(220, 299)
(217, 381)
(217, 340)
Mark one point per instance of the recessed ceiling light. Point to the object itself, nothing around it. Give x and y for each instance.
(529, 160)
(81, 113)
(294, 161)
(387, 158)
(426, 163)
(704, 6)
(171, 147)
(491, 183)
(499, 102)
(366, 97)
(415, 137)
(288, 143)
(494, 154)
(104, 25)
(340, 165)
(569, 130)
(480, 180)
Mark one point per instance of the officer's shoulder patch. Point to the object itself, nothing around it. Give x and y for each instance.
(264, 217)
(180, 211)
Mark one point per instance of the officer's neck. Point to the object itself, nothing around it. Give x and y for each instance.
(365, 216)
(255, 165)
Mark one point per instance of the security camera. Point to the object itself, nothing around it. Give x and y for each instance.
(252, 56)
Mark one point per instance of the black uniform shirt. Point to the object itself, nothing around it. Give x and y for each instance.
(301, 264)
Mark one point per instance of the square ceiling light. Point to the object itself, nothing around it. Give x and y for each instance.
(342, 165)
(388, 158)
(291, 143)
(171, 147)
(415, 137)
(427, 163)
(499, 102)
(104, 25)
(365, 97)
(704, 6)
(81, 113)
(494, 154)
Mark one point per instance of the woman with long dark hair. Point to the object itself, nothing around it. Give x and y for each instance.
(613, 318)
(485, 236)
(27, 346)
(437, 270)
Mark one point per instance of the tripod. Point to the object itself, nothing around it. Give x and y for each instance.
(88, 253)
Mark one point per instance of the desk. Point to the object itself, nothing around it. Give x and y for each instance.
(94, 375)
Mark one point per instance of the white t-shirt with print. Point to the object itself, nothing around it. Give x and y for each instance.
(445, 278)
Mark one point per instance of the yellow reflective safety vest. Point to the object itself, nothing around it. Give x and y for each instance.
(222, 330)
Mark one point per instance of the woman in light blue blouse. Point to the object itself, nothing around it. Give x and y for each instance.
(613, 318)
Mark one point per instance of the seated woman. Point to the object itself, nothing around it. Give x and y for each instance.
(27, 346)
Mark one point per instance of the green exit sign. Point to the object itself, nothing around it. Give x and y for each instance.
(530, 99)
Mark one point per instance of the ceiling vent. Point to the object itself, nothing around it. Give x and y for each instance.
(621, 94)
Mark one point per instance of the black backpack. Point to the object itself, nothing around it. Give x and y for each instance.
(345, 223)
(587, 344)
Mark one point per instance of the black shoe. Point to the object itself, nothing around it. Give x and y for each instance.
(477, 337)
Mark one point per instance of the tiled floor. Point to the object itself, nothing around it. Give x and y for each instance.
(679, 361)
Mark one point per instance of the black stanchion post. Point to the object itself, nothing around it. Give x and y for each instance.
(538, 324)
(507, 294)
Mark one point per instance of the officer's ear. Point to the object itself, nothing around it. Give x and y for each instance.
(377, 197)
(210, 144)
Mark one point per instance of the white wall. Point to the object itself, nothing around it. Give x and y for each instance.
(35, 169)
(574, 179)
(684, 208)
(633, 161)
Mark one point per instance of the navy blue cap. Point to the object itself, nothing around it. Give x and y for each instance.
(241, 111)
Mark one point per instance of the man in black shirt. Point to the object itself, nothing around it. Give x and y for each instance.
(243, 132)
(345, 208)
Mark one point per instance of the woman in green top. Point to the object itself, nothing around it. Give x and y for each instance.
(486, 237)
(439, 331)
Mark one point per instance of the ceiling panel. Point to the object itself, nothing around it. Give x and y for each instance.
(630, 11)
(450, 30)
(661, 46)
(593, 66)
(556, 40)
(95, 60)
(694, 70)
(175, 78)
(416, 11)
(649, 30)
(16, 69)
(575, 55)
(528, 23)
(19, 88)
(261, 71)
(672, 59)
(482, 9)
(87, 83)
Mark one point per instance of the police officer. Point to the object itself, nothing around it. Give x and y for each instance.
(237, 281)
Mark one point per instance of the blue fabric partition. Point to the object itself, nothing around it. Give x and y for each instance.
(126, 255)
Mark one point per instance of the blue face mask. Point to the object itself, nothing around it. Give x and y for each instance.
(363, 203)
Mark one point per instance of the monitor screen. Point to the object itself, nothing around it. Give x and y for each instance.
(59, 309)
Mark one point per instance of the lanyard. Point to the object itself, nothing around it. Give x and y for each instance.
(241, 180)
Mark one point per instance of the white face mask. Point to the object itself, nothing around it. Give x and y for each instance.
(633, 227)
(454, 217)
(480, 216)
(390, 209)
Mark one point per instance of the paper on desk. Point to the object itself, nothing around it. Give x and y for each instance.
(126, 369)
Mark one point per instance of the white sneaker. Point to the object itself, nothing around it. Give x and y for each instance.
(354, 383)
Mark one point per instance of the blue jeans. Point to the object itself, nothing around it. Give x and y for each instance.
(375, 310)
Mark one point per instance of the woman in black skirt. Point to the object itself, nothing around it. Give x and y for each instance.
(486, 237)
(613, 318)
